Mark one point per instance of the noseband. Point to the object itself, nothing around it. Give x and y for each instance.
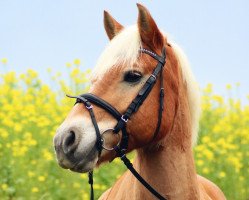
(122, 119)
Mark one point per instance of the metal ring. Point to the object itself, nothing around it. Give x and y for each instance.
(119, 139)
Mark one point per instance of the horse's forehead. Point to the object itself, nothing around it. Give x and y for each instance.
(122, 50)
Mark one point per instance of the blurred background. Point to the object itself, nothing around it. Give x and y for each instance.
(48, 48)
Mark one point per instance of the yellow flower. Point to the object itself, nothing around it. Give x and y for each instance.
(117, 161)
(49, 70)
(235, 161)
(85, 195)
(209, 154)
(33, 74)
(199, 163)
(22, 76)
(103, 187)
(16, 143)
(218, 99)
(228, 86)
(68, 64)
(83, 176)
(18, 127)
(4, 61)
(209, 88)
(97, 186)
(31, 174)
(47, 155)
(8, 145)
(4, 134)
(4, 186)
(41, 178)
(33, 162)
(222, 174)
(75, 72)
(76, 61)
(76, 185)
(10, 78)
(206, 139)
(28, 135)
(34, 190)
(32, 142)
(205, 170)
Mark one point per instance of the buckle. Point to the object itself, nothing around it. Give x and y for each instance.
(89, 107)
(162, 92)
(152, 75)
(123, 119)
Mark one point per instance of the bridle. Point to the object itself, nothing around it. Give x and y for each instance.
(122, 119)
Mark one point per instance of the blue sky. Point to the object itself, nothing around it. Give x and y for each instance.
(44, 33)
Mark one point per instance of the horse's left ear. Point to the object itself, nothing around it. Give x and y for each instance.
(112, 27)
(149, 32)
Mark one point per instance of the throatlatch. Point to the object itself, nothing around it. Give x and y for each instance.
(122, 119)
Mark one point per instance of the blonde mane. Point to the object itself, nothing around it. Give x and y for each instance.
(123, 49)
(193, 90)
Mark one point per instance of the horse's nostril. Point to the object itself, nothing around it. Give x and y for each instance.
(69, 144)
(70, 139)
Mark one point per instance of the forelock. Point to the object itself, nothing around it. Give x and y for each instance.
(123, 49)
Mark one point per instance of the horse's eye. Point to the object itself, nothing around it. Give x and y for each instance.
(132, 76)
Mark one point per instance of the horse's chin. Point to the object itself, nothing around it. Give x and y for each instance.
(88, 165)
(84, 166)
(79, 161)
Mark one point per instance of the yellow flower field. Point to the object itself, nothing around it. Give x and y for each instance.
(32, 110)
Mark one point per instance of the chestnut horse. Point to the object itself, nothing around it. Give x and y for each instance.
(166, 162)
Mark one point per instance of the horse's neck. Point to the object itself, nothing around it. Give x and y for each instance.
(170, 168)
(170, 171)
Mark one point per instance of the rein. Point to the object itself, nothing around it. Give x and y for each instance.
(122, 119)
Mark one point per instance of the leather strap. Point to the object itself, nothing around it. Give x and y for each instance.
(103, 104)
(129, 166)
(123, 119)
(90, 181)
(81, 99)
(144, 92)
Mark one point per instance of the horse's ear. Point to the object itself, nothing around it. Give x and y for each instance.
(149, 32)
(112, 27)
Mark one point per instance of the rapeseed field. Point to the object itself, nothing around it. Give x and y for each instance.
(31, 110)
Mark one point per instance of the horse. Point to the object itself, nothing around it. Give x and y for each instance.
(164, 158)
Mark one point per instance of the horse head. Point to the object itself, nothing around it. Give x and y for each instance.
(120, 73)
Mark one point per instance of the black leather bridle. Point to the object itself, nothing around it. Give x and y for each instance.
(122, 119)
